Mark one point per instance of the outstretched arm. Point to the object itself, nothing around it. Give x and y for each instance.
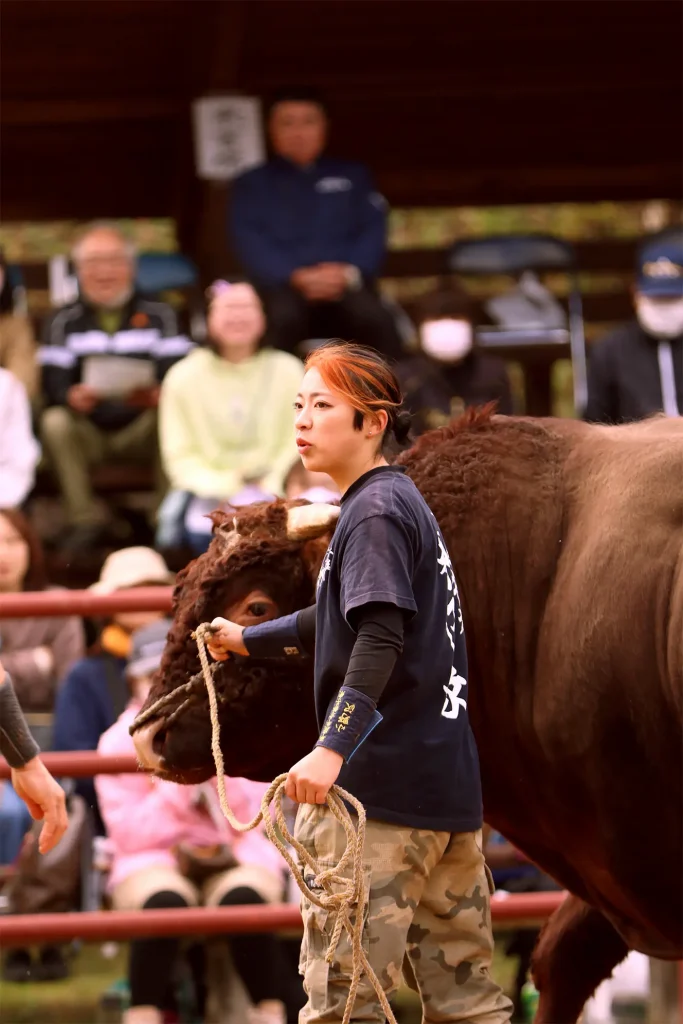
(353, 714)
(287, 635)
(30, 778)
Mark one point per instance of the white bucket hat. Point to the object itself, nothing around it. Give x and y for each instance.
(132, 567)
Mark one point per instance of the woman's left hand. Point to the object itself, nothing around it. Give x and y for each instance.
(309, 781)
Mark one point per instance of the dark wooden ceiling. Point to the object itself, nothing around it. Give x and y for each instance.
(450, 102)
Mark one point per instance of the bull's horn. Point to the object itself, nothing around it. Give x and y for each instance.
(307, 521)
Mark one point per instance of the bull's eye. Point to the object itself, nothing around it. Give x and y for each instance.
(257, 609)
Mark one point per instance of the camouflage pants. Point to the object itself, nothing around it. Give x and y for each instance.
(429, 905)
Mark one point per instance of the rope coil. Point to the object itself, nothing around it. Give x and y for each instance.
(339, 893)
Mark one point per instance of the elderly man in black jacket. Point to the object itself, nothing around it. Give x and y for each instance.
(637, 369)
(103, 358)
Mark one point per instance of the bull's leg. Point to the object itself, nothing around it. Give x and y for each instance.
(577, 949)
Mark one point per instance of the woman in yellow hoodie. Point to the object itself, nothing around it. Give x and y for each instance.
(225, 419)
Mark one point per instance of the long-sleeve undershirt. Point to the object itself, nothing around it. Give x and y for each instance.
(17, 745)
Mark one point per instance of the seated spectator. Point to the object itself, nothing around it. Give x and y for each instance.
(303, 483)
(19, 450)
(17, 343)
(103, 359)
(92, 696)
(311, 233)
(94, 692)
(15, 819)
(15, 822)
(450, 372)
(36, 651)
(171, 847)
(637, 370)
(226, 424)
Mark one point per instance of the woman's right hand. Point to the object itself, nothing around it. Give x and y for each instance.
(226, 639)
(45, 800)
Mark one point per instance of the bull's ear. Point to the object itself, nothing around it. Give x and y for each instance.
(307, 521)
(222, 520)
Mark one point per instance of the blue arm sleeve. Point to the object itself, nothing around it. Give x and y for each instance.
(353, 713)
(283, 637)
(264, 260)
(350, 720)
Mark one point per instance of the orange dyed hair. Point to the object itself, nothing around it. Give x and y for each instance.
(365, 380)
(359, 375)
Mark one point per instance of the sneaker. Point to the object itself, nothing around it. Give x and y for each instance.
(17, 965)
(52, 965)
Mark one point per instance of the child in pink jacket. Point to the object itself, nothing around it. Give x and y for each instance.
(147, 820)
(170, 846)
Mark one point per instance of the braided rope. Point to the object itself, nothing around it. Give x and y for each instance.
(348, 892)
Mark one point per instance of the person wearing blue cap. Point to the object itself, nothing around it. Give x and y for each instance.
(637, 369)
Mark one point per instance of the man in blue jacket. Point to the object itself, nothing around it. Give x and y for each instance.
(310, 232)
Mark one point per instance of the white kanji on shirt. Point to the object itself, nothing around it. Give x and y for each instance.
(453, 702)
(453, 610)
(324, 568)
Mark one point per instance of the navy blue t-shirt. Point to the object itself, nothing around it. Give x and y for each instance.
(419, 767)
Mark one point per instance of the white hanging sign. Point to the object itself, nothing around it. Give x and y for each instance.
(228, 136)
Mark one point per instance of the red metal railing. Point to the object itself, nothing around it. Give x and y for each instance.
(48, 603)
(530, 908)
(79, 764)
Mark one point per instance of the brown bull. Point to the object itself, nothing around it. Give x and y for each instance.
(567, 542)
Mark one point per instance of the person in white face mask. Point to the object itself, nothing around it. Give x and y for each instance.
(450, 373)
(637, 369)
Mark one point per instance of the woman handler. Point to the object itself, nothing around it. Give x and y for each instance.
(30, 778)
(391, 701)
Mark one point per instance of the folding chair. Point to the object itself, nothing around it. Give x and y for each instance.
(512, 255)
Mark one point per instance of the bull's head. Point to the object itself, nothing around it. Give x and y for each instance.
(263, 562)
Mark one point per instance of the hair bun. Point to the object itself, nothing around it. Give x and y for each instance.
(402, 425)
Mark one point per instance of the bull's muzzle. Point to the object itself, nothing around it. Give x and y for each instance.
(143, 739)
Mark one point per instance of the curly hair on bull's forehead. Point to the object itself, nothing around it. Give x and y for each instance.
(221, 575)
